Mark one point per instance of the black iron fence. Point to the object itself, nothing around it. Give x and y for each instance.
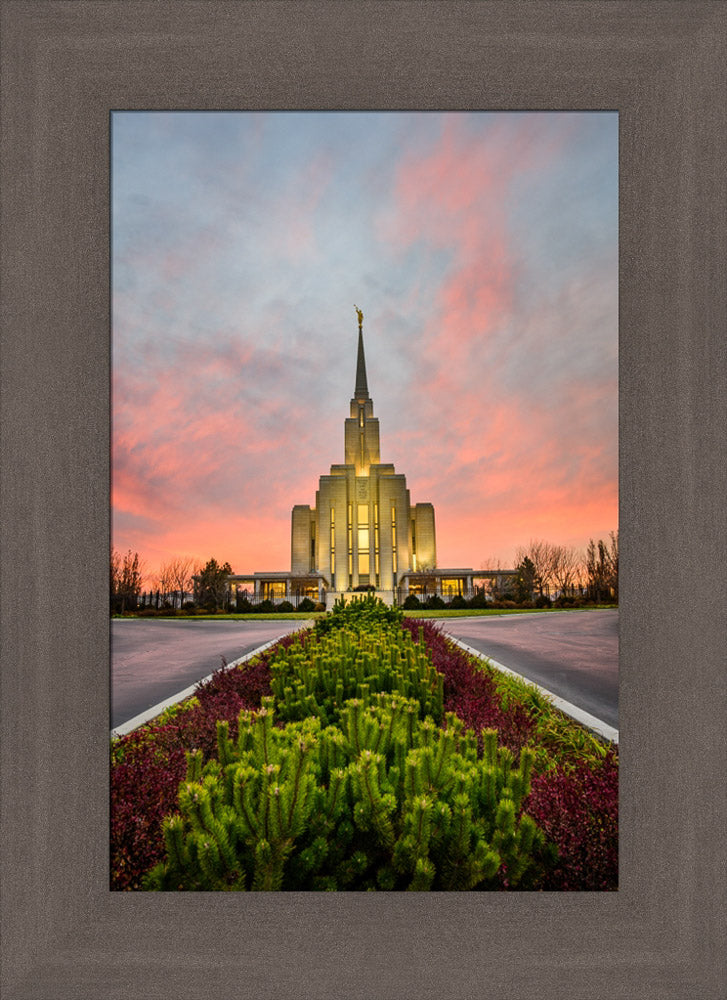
(474, 597)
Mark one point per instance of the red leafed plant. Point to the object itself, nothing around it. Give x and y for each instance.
(150, 764)
(575, 803)
(470, 692)
(578, 811)
(143, 791)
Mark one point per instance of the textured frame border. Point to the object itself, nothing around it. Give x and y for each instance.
(65, 65)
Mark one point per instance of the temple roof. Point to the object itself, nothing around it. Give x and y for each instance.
(362, 390)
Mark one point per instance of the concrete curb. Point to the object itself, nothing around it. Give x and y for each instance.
(151, 713)
(585, 718)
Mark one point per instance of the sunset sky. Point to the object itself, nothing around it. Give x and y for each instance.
(482, 249)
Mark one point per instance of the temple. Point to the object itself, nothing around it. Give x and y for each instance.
(363, 529)
(363, 533)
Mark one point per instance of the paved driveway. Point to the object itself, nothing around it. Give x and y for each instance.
(153, 659)
(573, 654)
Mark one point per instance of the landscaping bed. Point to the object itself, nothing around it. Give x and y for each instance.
(367, 753)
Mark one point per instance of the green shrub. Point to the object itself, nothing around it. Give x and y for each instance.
(434, 603)
(411, 603)
(567, 602)
(360, 612)
(479, 601)
(307, 605)
(316, 674)
(458, 602)
(375, 803)
(265, 607)
(285, 606)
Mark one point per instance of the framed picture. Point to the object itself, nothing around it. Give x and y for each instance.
(65, 70)
(478, 400)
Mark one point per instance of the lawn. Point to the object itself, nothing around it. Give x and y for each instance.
(314, 615)
(365, 753)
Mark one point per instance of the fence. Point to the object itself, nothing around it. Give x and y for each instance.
(241, 602)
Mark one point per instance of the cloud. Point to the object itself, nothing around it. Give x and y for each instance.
(478, 251)
(511, 392)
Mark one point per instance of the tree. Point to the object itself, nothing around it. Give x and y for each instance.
(541, 555)
(211, 584)
(613, 564)
(178, 574)
(523, 584)
(165, 582)
(114, 577)
(125, 580)
(602, 569)
(564, 567)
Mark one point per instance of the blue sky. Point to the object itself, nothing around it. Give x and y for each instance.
(482, 249)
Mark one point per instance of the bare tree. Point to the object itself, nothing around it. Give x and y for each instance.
(165, 582)
(126, 576)
(564, 567)
(490, 564)
(613, 564)
(114, 576)
(602, 568)
(177, 577)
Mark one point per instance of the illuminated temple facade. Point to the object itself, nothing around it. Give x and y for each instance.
(363, 529)
(363, 532)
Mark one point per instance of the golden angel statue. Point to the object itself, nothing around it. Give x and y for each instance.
(360, 315)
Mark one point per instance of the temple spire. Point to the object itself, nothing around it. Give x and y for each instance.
(362, 390)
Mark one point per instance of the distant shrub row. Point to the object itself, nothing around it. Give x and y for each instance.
(412, 603)
(437, 603)
(243, 606)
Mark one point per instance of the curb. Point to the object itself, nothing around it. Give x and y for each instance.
(581, 716)
(151, 713)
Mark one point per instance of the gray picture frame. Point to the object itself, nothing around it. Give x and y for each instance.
(65, 66)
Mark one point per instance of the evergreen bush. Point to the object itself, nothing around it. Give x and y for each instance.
(359, 612)
(318, 672)
(478, 600)
(382, 801)
(573, 790)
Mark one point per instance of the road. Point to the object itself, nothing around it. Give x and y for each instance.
(153, 659)
(573, 654)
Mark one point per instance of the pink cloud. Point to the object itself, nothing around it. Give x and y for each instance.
(213, 443)
(503, 442)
